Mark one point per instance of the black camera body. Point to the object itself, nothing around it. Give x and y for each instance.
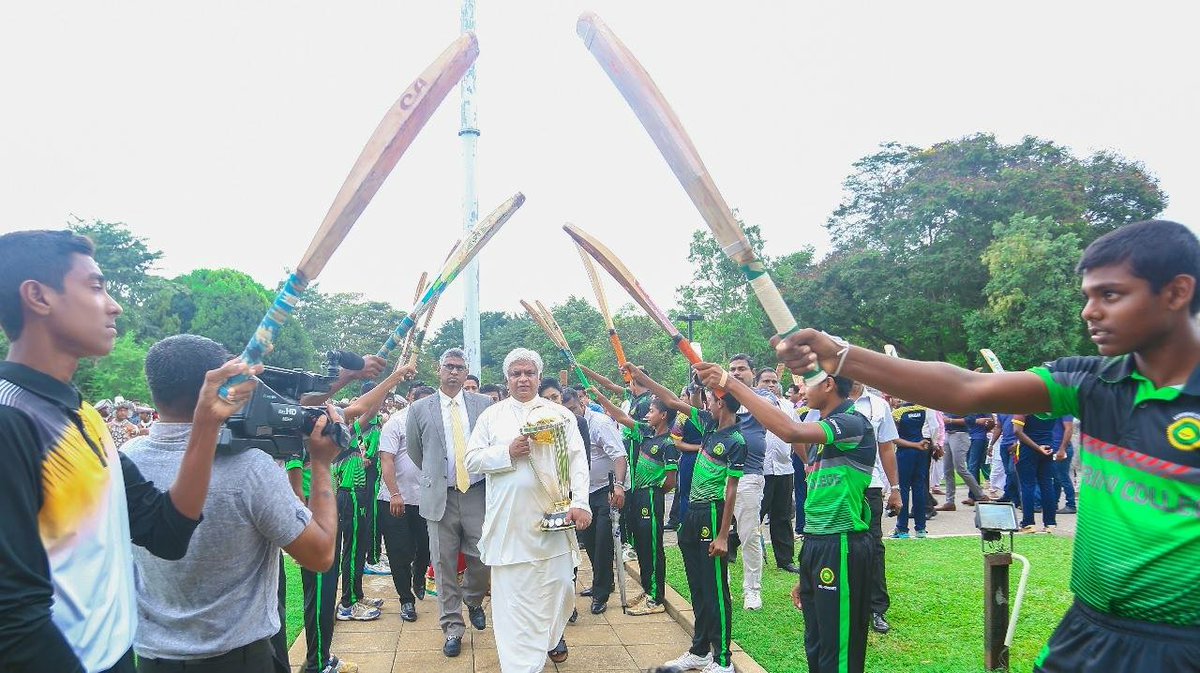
(274, 421)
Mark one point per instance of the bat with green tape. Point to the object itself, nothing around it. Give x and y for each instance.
(659, 120)
(992, 360)
(462, 253)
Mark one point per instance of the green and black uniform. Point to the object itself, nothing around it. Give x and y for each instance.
(354, 531)
(838, 553)
(1135, 571)
(368, 439)
(657, 456)
(639, 406)
(320, 594)
(721, 456)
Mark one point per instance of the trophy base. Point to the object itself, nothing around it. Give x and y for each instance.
(556, 520)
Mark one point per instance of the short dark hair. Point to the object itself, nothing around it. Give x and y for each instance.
(743, 357)
(569, 394)
(548, 383)
(175, 369)
(764, 370)
(731, 403)
(422, 391)
(666, 410)
(42, 255)
(794, 388)
(844, 385)
(1156, 250)
(489, 388)
(472, 377)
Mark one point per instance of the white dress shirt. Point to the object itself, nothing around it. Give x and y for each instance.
(879, 412)
(607, 448)
(448, 428)
(515, 499)
(393, 440)
(777, 459)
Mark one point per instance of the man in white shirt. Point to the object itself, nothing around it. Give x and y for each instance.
(884, 480)
(607, 454)
(404, 529)
(533, 586)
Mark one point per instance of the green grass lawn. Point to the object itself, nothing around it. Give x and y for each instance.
(936, 589)
(295, 599)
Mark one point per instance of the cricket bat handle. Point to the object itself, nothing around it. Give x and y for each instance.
(620, 351)
(779, 314)
(397, 336)
(264, 337)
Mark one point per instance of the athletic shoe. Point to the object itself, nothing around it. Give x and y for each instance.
(359, 612)
(336, 665)
(1067, 510)
(921, 535)
(628, 554)
(1048, 530)
(380, 568)
(1028, 529)
(751, 601)
(688, 661)
(714, 667)
(650, 607)
(372, 602)
(900, 535)
(636, 600)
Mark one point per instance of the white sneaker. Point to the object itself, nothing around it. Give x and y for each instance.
(752, 600)
(714, 667)
(690, 661)
(628, 554)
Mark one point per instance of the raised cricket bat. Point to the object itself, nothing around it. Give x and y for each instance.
(627, 280)
(602, 299)
(462, 253)
(673, 143)
(403, 121)
(544, 319)
(992, 360)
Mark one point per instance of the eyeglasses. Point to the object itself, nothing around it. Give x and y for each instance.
(455, 368)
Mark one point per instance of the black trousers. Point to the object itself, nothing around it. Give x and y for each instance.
(880, 601)
(1089, 640)
(777, 502)
(648, 504)
(407, 539)
(257, 657)
(279, 641)
(320, 608)
(708, 581)
(123, 665)
(598, 541)
(354, 535)
(374, 525)
(836, 596)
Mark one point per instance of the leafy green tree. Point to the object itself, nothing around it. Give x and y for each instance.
(122, 372)
(1032, 311)
(346, 321)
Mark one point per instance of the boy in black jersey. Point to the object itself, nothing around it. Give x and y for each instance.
(1133, 569)
(654, 474)
(704, 533)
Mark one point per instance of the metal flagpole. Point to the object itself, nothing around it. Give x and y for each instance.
(469, 134)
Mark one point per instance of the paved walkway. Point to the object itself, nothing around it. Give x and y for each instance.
(608, 642)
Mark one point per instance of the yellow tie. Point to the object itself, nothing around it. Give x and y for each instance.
(460, 447)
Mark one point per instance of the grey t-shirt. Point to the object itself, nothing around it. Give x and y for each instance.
(223, 593)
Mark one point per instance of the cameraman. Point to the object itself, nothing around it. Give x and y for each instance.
(217, 608)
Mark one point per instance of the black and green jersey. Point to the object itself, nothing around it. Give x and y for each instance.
(367, 439)
(350, 472)
(638, 408)
(722, 455)
(842, 468)
(657, 456)
(1137, 540)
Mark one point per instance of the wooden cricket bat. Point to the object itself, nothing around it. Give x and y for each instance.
(627, 280)
(462, 253)
(602, 300)
(992, 360)
(673, 143)
(544, 319)
(403, 121)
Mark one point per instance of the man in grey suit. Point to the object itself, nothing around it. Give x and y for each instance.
(451, 500)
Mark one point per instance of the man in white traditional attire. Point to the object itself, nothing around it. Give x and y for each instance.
(533, 589)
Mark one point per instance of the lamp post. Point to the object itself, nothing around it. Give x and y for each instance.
(690, 318)
(994, 520)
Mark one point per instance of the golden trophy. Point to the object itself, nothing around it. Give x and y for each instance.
(547, 432)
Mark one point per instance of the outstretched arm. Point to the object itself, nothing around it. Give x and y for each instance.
(373, 400)
(613, 410)
(604, 381)
(661, 392)
(771, 416)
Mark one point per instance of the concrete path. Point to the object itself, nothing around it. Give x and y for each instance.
(607, 642)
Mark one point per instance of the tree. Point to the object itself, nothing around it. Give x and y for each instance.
(121, 372)
(346, 321)
(1032, 311)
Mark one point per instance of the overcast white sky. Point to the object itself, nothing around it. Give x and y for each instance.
(221, 130)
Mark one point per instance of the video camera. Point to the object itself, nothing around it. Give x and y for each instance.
(274, 421)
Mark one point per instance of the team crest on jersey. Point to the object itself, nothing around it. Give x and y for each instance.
(653, 450)
(645, 511)
(827, 575)
(1184, 432)
(705, 533)
(718, 449)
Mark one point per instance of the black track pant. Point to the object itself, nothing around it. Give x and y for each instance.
(279, 641)
(598, 541)
(835, 589)
(648, 541)
(407, 540)
(320, 607)
(777, 502)
(257, 657)
(880, 601)
(374, 525)
(1089, 640)
(354, 533)
(708, 581)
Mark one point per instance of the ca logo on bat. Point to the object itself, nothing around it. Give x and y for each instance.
(414, 92)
